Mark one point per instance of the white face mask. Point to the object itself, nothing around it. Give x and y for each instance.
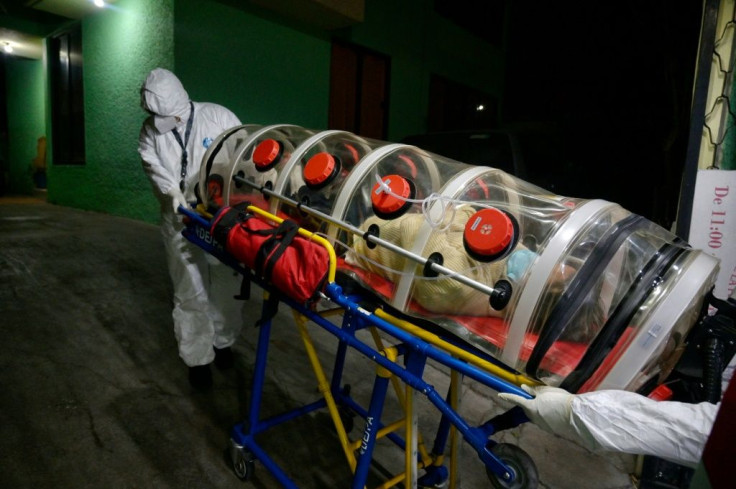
(165, 124)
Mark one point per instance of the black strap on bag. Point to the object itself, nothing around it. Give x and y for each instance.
(231, 217)
(244, 294)
(276, 241)
(270, 307)
(272, 249)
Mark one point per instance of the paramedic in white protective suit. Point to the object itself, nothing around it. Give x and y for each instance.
(172, 143)
(629, 422)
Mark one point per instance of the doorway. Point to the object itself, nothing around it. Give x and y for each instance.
(359, 88)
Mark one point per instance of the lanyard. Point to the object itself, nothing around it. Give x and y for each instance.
(183, 145)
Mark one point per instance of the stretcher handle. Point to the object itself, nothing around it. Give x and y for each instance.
(428, 264)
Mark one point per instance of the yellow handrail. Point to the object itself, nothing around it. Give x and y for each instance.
(457, 352)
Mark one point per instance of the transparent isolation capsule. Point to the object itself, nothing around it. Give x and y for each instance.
(577, 293)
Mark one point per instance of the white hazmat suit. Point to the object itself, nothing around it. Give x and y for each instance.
(205, 313)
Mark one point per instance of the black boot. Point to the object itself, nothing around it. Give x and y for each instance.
(200, 377)
(224, 358)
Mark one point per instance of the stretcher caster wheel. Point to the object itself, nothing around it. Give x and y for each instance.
(523, 468)
(242, 461)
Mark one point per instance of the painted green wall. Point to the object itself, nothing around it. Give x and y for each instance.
(120, 46)
(266, 69)
(26, 113)
(265, 72)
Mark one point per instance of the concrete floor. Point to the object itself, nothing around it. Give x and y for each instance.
(94, 394)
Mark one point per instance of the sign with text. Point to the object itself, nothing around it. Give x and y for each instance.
(713, 224)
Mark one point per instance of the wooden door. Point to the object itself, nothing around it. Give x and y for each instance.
(359, 80)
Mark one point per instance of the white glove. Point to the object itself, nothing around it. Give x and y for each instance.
(551, 408)
(177, 199)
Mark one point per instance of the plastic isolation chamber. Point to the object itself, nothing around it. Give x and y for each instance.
(577, 293)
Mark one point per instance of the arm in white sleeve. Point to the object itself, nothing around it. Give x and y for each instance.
(159, 173)
(621, 421)
(628, 422)
(229, 119)
(631, 423)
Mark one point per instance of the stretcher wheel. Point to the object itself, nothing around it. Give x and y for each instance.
(521, 464)
(242, 461)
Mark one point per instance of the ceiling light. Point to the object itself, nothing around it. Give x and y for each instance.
(480, 108)
(8, 48)
(100, 3)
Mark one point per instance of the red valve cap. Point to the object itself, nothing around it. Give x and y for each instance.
(266, 154)
(488, 234)
(320, 170)
(388, 205)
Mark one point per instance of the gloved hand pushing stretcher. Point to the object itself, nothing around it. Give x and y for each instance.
(621, 421)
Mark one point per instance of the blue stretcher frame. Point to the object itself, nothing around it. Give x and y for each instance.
(416, 353)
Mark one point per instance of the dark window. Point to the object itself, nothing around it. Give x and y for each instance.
(454, 106)
(67, 97)
(483, 148)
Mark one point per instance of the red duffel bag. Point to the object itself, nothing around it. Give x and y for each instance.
(294, 265)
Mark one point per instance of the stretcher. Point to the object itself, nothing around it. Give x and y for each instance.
(404, 359)
(467, 267)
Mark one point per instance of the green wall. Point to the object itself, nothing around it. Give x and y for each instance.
(265, 68)
(265, 72)
(120, 46)
(25, 92)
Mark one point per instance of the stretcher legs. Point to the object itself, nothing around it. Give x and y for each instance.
(244, 450)
(403, 365)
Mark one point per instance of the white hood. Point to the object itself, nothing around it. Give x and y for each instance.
(163, 95)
